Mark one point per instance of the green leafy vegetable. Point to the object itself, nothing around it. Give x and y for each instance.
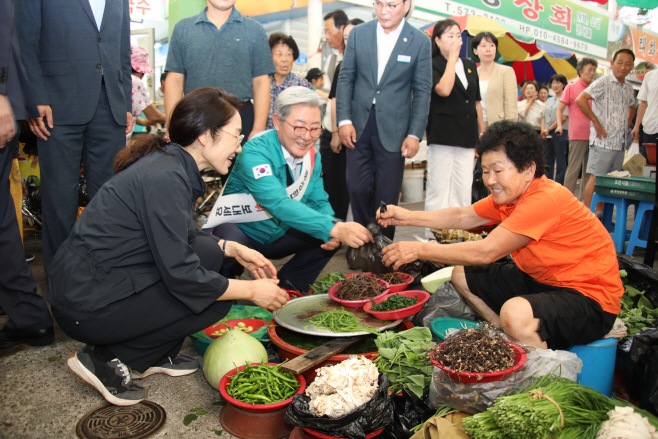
(637, 312)
(394, 302)
(339, 321)
(189, 418)
(322, 285)
(217, 432)
(57, 358)
(403, 359)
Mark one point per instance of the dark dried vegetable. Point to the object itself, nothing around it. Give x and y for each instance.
(359, 287)
(394, 302)
(477, 350)
(391, 278)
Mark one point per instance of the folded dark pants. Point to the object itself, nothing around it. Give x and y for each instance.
(301, 270)
(152, 324)
(566, 316)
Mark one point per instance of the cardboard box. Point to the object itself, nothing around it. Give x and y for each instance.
(649, 171)
(635, 165)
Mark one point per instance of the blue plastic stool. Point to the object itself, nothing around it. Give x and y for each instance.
(618, 232)
(598, 364)
(641, 227)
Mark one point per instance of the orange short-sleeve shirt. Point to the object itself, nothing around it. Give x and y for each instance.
(569, 248)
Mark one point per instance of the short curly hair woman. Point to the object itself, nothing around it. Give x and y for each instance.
(562, 287)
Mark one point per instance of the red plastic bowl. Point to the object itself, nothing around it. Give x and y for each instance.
(318, 435)
(357, 303)
(256, 408)
(289, 352)
(255, 323)
(473, 377)
(408, 279)
(402, 313)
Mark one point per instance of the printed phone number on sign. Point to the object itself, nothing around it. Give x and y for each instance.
(454, 9)
(557, 39)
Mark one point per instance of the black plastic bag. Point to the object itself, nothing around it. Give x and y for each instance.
(642, 277)
(444, 302)
(478, 189)
(408, 411)
(368, 257)
(640, 368)
(373, 415)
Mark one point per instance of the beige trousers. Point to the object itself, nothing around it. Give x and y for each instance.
(578, 155)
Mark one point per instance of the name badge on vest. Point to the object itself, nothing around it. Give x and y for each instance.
(243, 208)
(404, 58)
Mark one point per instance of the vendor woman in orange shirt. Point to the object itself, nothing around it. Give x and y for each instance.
(562, 287)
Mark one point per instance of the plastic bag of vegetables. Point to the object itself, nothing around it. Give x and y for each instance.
(233, 349)
(373, 415)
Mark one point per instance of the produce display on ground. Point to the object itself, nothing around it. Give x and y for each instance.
(550, 408)
(262, 384)
(433, 281)
(479, 350)
(322, 285)
(310, 342)
(358, 287)
(403, 359)
(233, 349)
(394, 302)
(391, 278)
(241, 326)
(637, 312)
(339, 321)
(338, 390)
(440, 411)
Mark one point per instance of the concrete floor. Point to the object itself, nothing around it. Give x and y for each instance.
(40, 398)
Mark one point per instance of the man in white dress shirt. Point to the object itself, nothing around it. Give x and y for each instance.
(382, 101)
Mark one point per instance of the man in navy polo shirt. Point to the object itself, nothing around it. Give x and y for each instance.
(220, 47)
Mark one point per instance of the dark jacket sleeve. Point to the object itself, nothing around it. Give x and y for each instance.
(165, 213)
(6, 31)
(126, 66)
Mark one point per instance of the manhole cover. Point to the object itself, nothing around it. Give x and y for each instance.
(112, 421)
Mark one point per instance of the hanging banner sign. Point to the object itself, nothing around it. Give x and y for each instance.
(147, 9)
(558, 22)
(621, 36)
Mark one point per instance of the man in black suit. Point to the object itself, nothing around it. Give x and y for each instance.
(29, 318)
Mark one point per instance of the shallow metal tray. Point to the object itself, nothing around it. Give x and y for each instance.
(291, 316)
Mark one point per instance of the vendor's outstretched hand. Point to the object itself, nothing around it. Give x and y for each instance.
(352, 234)
(331, 245)
(267, 294)
(400, 253)
(394, 216)
(250, 259)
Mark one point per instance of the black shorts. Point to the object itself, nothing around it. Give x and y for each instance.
(566, 316)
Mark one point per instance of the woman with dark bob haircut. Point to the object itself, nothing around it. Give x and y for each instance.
(562, 287)
(134, 277)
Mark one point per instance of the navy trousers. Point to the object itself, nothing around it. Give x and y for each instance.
(557, 149)
(301, 271)
(333, 176)
(95, 144)
(26, 309)
(152, 324)
(373, 175)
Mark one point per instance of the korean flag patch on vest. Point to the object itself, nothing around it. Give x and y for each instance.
(261, 171)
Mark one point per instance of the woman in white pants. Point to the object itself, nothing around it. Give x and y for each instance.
(454, 122)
